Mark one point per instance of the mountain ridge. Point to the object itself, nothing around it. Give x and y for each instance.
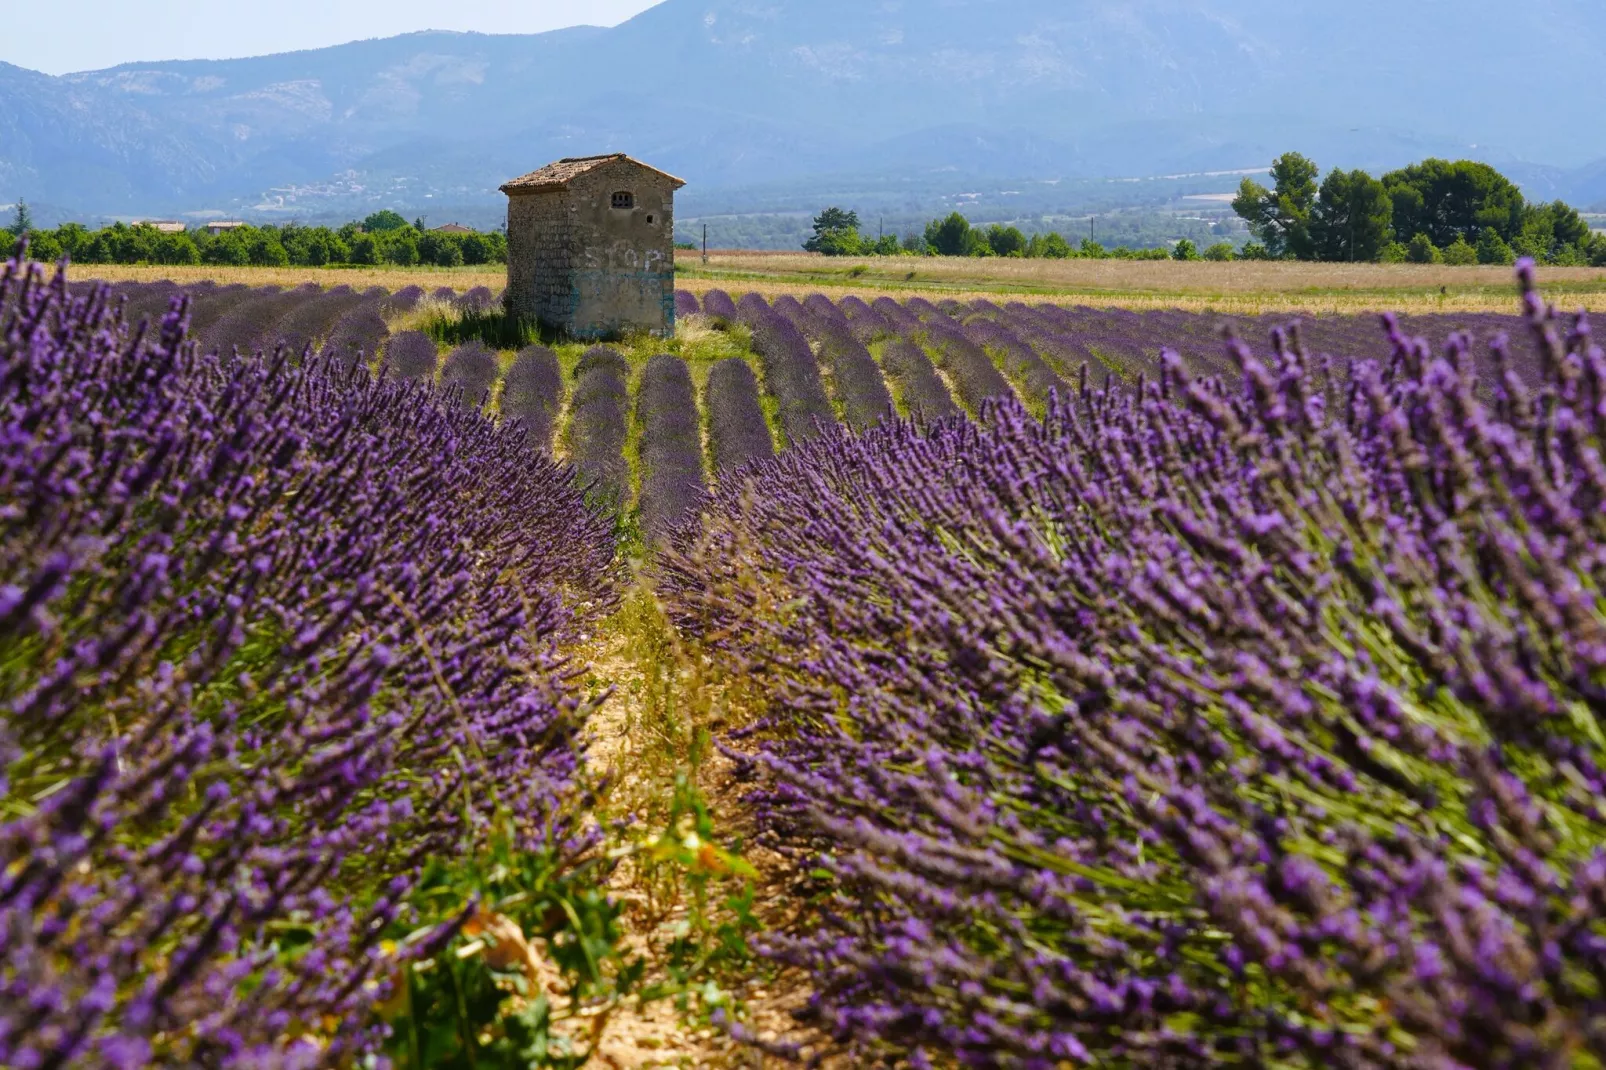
(734, 93)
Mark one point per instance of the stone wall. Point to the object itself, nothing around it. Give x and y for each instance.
(540, 235)
(577, 263)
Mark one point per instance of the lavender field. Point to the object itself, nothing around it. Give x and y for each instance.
(817, 364)
(1088, 687)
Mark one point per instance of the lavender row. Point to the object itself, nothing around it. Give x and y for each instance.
(791, 373)
(278, 637)
(925, 396)
(969, 368)
(599, 421)
(1251, 722)
(532, 395)
(738, 434)
(671, 451)
(861, 392)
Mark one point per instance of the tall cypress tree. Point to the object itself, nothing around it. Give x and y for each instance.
(22, 223)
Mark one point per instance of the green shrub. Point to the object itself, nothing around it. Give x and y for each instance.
(1421, 250)
(1460, 253)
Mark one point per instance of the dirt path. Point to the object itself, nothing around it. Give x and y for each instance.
(637, 746)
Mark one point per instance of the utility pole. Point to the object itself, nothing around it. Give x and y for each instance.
(705, 245)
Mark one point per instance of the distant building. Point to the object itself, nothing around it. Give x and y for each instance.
(166, 226)
(591, 247)
(453, 228)
(221, 225)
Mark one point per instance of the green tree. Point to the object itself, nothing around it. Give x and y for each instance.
(1049, 246)
(949, 237)
(384, 222)
(74, 237)
(1221, 251)
(1448, 200)
(1553, 233)
(1185, 250)
(1493, 250)
(21, 221)
(264, 249)
(916, 244)
(1421, 250)
(400, 248)
(1254, 251)
(477, 249)
(1461, 252)
(440, 250)
(887, 245)
(1281, 216)
(175, 250)
(1006, 241)
(1092, 250)
(836, 233)
(1353, 218)
(226, 249)
(45, 247)
(1394, 253)
(365, 249)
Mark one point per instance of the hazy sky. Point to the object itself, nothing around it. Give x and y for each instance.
(89, 34)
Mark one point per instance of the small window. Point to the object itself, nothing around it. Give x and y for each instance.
(649, 221)
(624, 200)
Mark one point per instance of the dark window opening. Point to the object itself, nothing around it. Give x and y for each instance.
(624, 200)
(649, 221)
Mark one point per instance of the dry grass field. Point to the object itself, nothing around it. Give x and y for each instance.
(1239, 287)
(1245, 287)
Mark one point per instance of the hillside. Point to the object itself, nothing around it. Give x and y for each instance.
(734, 94)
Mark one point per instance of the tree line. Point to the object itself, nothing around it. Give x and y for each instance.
(383, 238)
(1433, 212)
(836, 233)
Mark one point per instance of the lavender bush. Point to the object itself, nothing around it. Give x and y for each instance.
(686, 303)
(359, 335)
(277, 655)
(411, 356)
(404, 300)
(479, 299)
(672, 484)
(738, 434)
(718, 305)
(532, 395)
(1193, 725)
(599, 421)
(470, 373)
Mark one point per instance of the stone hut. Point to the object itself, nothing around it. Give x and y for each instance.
(591, 246)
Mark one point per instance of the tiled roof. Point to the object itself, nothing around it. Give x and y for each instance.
(555, 176)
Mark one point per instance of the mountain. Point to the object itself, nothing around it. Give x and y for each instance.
(772, 93)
